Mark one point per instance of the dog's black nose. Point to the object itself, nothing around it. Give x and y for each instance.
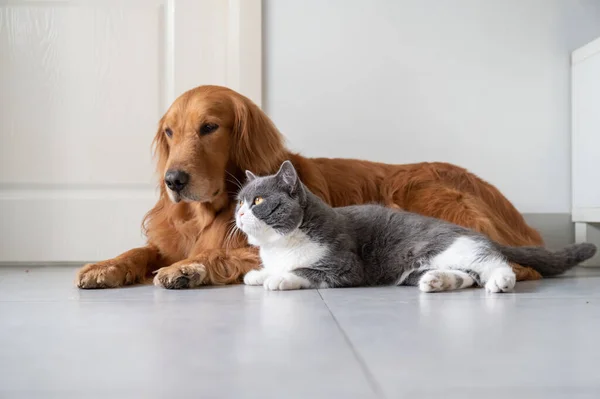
(176, 180)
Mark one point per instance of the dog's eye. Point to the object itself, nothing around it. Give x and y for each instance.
(169, 132)
(208, 128)
(258, 200)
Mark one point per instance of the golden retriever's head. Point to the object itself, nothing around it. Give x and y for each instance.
(209, 135)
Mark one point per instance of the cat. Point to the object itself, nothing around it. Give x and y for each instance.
(305, 243)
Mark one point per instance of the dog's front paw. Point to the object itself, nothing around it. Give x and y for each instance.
(107, 274)
(181, 275)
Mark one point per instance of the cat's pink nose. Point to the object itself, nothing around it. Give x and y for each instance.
(241, 214)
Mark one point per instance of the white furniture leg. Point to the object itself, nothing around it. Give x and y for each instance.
(589, 232)
(580, 232)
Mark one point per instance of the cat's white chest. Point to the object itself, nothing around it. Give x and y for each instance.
(291, 252)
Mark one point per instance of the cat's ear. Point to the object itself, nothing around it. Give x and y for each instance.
(250, 176)
(288, 176)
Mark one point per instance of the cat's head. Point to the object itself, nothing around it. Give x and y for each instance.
(272, 206)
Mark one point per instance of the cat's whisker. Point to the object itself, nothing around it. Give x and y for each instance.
(234, 232)
(230, 236)
(231, 233)
(234, 183)
(227, 238)
(237, 181)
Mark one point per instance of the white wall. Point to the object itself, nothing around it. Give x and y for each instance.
(480, 83)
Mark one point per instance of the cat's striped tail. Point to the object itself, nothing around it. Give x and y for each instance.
(549, 263)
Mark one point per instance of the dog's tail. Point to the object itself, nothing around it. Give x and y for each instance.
(549, 263)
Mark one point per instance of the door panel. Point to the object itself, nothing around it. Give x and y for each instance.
(82, 86)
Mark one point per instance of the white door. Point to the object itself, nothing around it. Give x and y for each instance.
(82, 86)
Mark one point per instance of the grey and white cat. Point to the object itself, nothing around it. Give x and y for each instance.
(305, 243)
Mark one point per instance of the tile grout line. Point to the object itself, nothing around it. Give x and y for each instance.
(363, 365)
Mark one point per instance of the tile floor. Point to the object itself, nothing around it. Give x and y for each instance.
(543, 341)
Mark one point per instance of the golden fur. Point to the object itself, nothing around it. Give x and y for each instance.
(192, 242)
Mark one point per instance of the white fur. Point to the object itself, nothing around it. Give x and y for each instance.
(279, 254)
(404, 275)
(291, 252)
(285, 281)
(257, 231)
(255, 277)
(444, 280)
(467, 280)
(501, 280)
(464, 253)
(431, 282)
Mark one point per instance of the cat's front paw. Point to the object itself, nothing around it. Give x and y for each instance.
(287, 281)
(501, 280)
(255, 277)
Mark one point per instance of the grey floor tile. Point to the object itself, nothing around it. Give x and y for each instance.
(472, 344)
(243, 342)
(56, 283)
(235, 342)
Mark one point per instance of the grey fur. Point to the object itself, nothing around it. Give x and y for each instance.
(374, 245)
(459, 281)
(475, 276)
(546, 262)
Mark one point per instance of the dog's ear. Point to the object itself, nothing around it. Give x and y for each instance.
(160, 148)
(257, 144)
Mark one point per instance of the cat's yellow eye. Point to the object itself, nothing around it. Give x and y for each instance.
(240, 202)
(258, 200)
